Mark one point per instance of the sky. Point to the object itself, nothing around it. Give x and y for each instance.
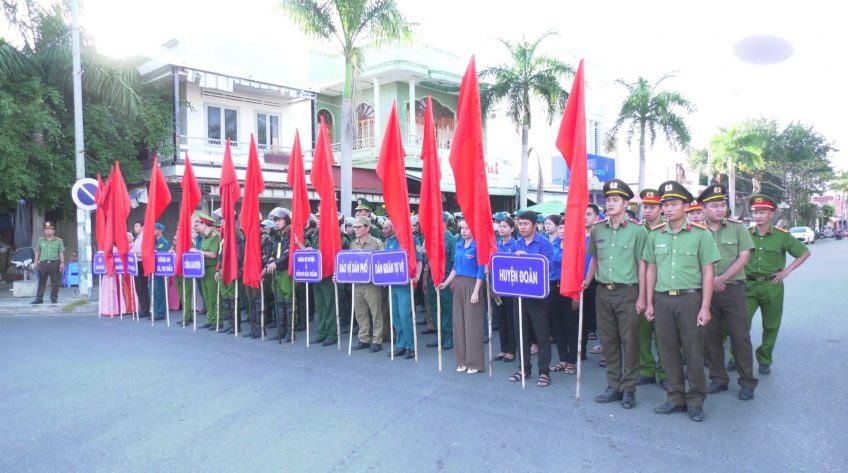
(618, 39)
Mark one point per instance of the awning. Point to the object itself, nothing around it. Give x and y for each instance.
(449, 185)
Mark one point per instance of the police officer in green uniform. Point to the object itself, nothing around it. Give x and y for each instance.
(766, 271)
(445, 297)
(650, 369)
(49, 262)
(616, 244)
(728, 307)
(325, 299)
(277, 265)
(368, 300)
(229, 313)
(160, 296)
(364, 209)
(210, 245)
(680, 257)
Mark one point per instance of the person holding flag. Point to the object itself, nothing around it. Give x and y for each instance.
(445, 297)
(277, 258)
(229, 313)
(210, 246)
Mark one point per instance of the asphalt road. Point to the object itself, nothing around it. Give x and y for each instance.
(78, 393)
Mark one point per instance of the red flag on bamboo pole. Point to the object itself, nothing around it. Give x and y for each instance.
(117, 203)
(158, 198)
(190, 199)
(430, 204)
(300, 210)
(469, 167)
(254, 185)
(230, 192)
(571, 142)
(321, 177)
(392, 170)
(100, 216)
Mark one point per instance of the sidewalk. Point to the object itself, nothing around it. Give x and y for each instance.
(70, 302)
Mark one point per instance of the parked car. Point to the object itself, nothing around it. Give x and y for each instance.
(805, 234)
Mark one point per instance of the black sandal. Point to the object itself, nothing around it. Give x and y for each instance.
(515, 377)
(543, 381)
(558, 367)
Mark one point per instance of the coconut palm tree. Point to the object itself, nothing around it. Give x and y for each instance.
(646, 111)
(13, 64)
(349, 25)
(737, 148)
(528, 76)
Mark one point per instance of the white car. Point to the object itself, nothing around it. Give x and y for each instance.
(805, 234)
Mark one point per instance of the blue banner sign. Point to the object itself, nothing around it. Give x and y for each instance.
(353, 267)
(165, 263)
(307, 266)
(119, 263)
(390, 268)
(520, 276)
(132, 264)
(193, 265)
(99, 264)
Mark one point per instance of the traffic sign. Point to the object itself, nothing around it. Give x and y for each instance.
(390, 268)
(307, 266)
(520, 276)
(193, 265)
(84, 193)
(165, 263)
(353, 266)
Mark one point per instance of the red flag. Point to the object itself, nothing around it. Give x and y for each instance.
(100, 216)
(158, 198)
(117, 205)
(571, 142)
(190, 199)
(469, 167)
(230, 192)
(430, 204)
(254, 185)
(321, 177)
(296, 179)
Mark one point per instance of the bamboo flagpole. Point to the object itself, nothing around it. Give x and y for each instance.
(338, 320)
(307, 315)
(167, 305)
(352, 307)
(193, 302)
(120, 294)
(489, 314)
(262, 309)
(218, 307)
(521, 340)
(99, 294)
(414, 322)
(391, 327)
(579, 346)
(135, 300)
(152, 289)
(294, 309)
(236, 315)
(438, 324)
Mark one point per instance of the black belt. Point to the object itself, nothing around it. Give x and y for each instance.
(760, 278)
(48, 261)
(736, 282)
(614, 286)
(680, 292)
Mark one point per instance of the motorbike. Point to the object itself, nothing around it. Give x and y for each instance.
(22, 259)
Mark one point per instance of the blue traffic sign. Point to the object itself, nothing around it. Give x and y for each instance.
(520, 276)
(307, 266)
(99, 265)
(353, 267)
(165, 263)
(390, 268)
(193, 265)
(84, 193)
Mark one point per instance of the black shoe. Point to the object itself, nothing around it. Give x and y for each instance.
(447, 346)
(158, 317)
(642, 380)
(327, 342)
(593, 336)
(361, 346)
(409, 354)
(765, 369)
(144, 315)
(205, 326)
(375, 347)
(54, 301)
(433, 344)
(628, 399)
(37, 301)
(610, 395)
(731, 365)
(428, 332)
(664, 384)
(421, 322)
(318, 340)
(288, 339)
(669, 408)
(715, 388)
(398, 352)
(300, 328)
(696, 414)
(746, 394)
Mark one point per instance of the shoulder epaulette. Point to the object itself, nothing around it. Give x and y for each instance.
(735, 221)
(635, 222)
(698, 225)
(601, 221)
(781, 229)
(658, 226)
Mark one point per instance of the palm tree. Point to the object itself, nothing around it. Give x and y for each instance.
(528, 76)
(349, 24)
(647, 110)
(13, 64)
(737, 148)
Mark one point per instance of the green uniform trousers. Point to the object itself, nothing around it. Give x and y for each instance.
(647, 343)
(446, 297)
(676, 319)
(618, 329)
(728, 310)
(768, 298)
(209, 288)
(185, 302)
(325, 309)
(368, 309)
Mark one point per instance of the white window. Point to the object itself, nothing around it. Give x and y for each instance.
(221, 124)
(267, 130)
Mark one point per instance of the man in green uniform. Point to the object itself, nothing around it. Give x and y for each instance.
(728, 308)
(325, 299)
(616, 245)
(766, 271)
(445, 297)
(364, 209)
(49, 262)
(680, 257)
(160, 296)
(368, 300)
(210, 245)
(650, 369)
(229, 313)
(278, 267)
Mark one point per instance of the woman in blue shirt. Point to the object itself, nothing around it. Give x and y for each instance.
(561, 310)
(466, 278)
(504, 305)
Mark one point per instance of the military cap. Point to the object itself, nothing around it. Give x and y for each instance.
(712, 193)
(279, 212)
(618, 187)
(49, 224)
(361, 221)
(160, 227)
(649, 196)
(528, 215)
(694, 206)
(267, 224)
(363, 204)
(499, 216)
(447, 217)
(674, 190)
(762, 201)
(205, 219)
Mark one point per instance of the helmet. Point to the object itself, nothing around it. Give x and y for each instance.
(267, 224)
(218, 214)
(279, 212)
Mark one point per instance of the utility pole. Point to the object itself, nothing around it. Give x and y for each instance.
(83, 216)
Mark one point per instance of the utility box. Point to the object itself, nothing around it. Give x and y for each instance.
(24, 288)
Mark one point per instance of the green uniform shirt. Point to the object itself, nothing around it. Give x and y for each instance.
(450, 246)
(211, 243)
(49, 250)
(731, 238)
(371, 244)
(162, 244)
(769, 255)
(617, 250)
(680, 256)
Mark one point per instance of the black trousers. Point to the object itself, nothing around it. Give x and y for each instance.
(564, 324)
(506, 327)
(535, 322)
(49, 269)
(142, 291)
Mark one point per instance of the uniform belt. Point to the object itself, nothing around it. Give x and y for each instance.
(760, 278)
(680, 292)
(736, 282)
(49, 261)
(614, 286)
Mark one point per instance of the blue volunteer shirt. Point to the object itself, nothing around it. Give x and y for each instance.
(465, 260)
(539, 245)
(505, 247)
(394, 244)
(556, 261)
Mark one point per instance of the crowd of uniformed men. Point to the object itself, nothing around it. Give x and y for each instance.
(661, 295)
